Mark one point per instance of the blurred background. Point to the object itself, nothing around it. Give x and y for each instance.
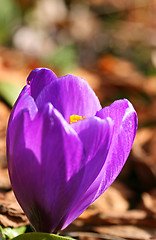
(112, 44)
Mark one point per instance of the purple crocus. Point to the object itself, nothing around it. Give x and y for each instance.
(63, 149)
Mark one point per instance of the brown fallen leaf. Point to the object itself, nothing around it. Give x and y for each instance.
(10, 221)
(92, 236)
(128, 232)
(11, 213)
(121, 72)
(149, 201)
(131, 217)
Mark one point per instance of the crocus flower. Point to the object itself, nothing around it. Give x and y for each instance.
(63, 149)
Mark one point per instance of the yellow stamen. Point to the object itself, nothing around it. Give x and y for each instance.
(75, 118)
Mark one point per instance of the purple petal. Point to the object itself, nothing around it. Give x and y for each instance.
(96, 136)
(125, 126)
(70, 95)
(42, 159)
(38, 79)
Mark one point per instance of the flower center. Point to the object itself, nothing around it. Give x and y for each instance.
(75, 118)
